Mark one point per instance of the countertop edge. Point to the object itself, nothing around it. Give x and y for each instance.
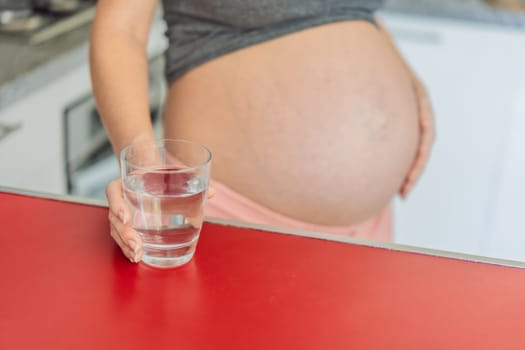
(294, 232)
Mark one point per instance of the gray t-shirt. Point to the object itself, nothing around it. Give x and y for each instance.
(200, 30)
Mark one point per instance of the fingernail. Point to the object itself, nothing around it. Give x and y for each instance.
(136, 257)
(133, 246)
(130, 259)
(122, 216)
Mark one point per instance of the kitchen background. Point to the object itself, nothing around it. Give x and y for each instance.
(469, 53)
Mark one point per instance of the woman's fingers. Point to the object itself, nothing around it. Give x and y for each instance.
(130, 254)
(119, 217)
(211, 192)
(117, 204)
(126, 237)
(418, 167)
(427, 136)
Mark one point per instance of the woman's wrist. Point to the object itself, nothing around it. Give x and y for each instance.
(146, 136)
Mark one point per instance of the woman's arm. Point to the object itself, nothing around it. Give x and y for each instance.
(426, 123)
(119, 74)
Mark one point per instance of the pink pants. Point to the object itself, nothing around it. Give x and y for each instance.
(228, 204)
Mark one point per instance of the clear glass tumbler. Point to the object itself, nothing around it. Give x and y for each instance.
(165, 185)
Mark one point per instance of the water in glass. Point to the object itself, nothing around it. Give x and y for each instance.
(167, 212)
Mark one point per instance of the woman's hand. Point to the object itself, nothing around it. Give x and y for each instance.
(120, 224)
(426, 138)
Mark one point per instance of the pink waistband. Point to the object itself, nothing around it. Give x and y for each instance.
(228, 204)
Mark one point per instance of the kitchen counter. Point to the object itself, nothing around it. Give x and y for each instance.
(26, 68)
(247, 287)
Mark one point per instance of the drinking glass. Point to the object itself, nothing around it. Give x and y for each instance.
(165, 184)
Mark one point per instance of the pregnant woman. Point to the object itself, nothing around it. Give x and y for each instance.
(313, 118)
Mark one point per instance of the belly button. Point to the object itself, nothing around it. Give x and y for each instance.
(378, 125)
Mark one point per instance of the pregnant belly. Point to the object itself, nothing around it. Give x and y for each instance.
(319, 125)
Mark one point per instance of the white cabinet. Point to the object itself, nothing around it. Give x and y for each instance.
(506, 236)
(475, 77)
(32, 157)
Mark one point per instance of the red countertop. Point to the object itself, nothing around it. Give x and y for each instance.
(65, 285)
